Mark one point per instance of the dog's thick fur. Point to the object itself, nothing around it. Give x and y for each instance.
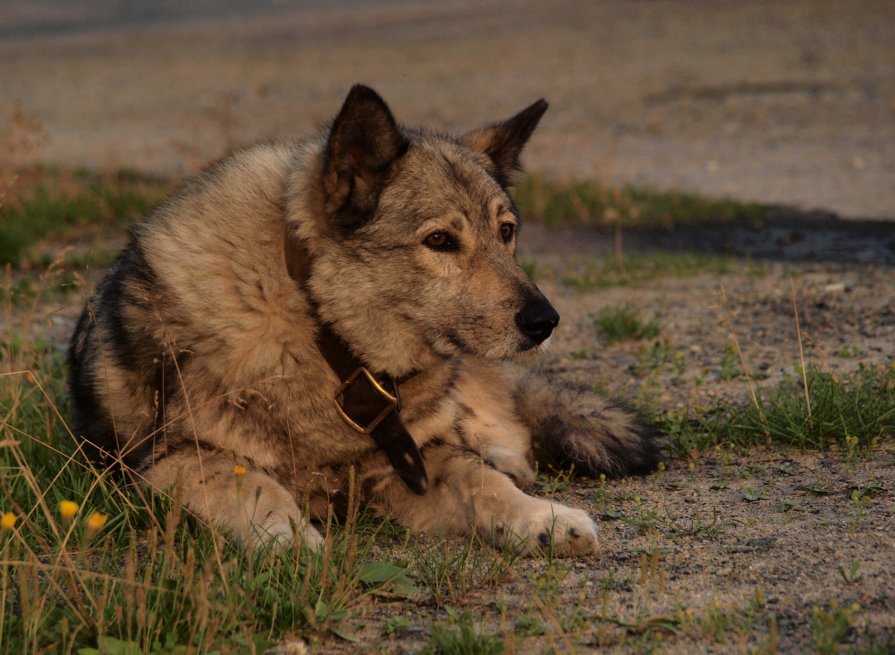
(197, 353)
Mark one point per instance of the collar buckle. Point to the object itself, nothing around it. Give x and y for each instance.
(391, 401)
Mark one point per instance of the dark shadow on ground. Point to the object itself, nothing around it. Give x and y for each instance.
(786, 235)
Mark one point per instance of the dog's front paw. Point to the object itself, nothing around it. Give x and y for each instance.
(567, 532)
(284, 533)
(549, 528)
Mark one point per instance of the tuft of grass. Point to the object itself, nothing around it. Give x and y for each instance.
(593, 203)
(462, 639)
(451, 569)
(58, 202)
(831, 626)
(624, 323)
(853, 414)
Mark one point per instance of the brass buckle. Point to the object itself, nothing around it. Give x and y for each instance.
(391, 401)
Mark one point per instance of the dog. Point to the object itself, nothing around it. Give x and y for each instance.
(344, 312)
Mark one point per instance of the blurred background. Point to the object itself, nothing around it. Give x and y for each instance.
(776, 102)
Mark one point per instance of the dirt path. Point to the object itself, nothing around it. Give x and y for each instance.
(777, 102)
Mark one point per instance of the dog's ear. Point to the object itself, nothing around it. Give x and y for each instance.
(363, 143)
(503, 142)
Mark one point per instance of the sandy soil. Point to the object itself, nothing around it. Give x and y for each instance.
(778, 102)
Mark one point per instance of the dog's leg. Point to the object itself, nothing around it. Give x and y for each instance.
(575, 426)
(247, 503)
(465, 494)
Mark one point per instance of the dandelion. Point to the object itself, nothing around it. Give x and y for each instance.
(68, 509)
(8, 521)
(95, 523)
(239, 470)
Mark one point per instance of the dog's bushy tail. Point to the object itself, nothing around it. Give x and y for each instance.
(572, 425)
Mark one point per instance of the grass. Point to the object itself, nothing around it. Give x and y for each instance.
(639, 269)
(462, 638)
(87, 562)
(51, 203)
(592, 203)
(625, 323)
(851, 414)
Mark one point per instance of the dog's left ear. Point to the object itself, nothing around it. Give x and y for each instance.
(503, 142)
(363, 143)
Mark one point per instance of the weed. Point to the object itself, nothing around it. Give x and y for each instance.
(396, 626)
(556, 480)
(730, 365)
(462, 638)
(654, 356)
(850, 575)
(752, 495)
(529, 626)
(624, 322)
(831, 625)
(854, 414)
(647, 520)
(791, 505)
(450, 569)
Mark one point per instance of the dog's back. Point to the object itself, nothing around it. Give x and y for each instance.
(177, 305)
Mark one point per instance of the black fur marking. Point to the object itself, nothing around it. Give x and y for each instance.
(115, 294)
(89, 420)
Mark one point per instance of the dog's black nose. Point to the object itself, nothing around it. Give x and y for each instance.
(537, 319)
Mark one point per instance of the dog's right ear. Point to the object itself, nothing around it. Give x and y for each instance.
(503, 142)
(363, 143)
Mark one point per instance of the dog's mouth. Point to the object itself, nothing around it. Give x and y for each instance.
(531, 347)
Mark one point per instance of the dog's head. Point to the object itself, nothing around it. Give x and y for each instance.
(424, 230)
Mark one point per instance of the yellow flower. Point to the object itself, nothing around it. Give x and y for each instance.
(95, 523)
(68, 509)
(8, 521)
(239, 470)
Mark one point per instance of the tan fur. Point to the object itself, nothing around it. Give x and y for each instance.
(198, 353)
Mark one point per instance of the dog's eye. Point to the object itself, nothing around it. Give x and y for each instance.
(507, 230)
(441, 241)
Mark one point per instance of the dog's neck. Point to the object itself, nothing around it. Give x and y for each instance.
(384, 341)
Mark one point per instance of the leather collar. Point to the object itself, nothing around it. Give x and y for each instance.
(368, 401)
